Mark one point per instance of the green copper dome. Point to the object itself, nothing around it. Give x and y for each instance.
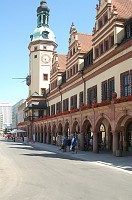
(42, 32)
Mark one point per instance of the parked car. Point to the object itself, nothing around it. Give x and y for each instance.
(8, 135)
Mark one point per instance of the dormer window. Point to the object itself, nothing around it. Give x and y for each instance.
(45, 34)
(129, 30)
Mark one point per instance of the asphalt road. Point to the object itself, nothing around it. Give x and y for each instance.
(27, 173)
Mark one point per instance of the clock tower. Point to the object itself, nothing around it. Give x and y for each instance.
(41, 49)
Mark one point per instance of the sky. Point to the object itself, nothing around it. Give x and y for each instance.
(18, 19)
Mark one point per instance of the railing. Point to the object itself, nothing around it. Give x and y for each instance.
(31, 118)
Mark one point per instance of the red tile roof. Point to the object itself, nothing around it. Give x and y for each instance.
(124, 8)
(62, 61)
(85, 41)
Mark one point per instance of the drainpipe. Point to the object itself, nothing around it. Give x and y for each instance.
(59, 87)
(84, 85)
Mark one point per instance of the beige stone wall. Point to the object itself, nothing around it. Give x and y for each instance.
(21, 112)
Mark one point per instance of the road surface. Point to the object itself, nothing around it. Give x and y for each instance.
(27, 173)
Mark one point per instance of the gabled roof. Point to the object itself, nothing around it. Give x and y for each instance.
(35, 94)
(85, 42)
(124, 8)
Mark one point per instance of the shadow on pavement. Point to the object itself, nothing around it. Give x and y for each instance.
(51, 151)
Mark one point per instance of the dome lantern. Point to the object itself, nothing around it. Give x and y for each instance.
(43, 14)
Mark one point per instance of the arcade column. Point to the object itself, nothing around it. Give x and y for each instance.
(95, 142)
(115, 142)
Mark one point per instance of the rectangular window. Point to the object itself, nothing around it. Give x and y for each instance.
(106, 45)
(101, 48)
(125, 84)
(76, 68)
(66, 105)
(74, 101)
(45, 77)
(81, 98)
(92, 95)
(100, 23)
(53, 109)
(112, 40)
(105, 18)
(35, 56)
(43, 91)
(48, 111)
(35, 48)
(58, 107)
(111, 88)
(128, 30)
(104, 91)
(70, 72)
(96, 52)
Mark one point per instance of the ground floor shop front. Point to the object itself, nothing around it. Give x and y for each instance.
(105, 128)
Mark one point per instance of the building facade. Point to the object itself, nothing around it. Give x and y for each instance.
(5, 116)
(90, 93)
(15, 107)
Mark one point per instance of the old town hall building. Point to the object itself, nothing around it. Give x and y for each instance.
(87, 92)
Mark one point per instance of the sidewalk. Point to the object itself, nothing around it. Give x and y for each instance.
(103, 158)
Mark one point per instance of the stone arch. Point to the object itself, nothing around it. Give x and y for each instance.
(124, 129)
(86, 134)
(67, 129)
(60, 129)
(104, 134)
(75, 127)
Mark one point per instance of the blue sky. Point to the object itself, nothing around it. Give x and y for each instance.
(18, 20)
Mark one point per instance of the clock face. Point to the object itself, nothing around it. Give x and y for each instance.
(45, 58)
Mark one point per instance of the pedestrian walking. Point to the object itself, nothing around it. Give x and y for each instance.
(74, 143)
(69, 143)
(64, 144)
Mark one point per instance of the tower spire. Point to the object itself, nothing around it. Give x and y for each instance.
(43, 14)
